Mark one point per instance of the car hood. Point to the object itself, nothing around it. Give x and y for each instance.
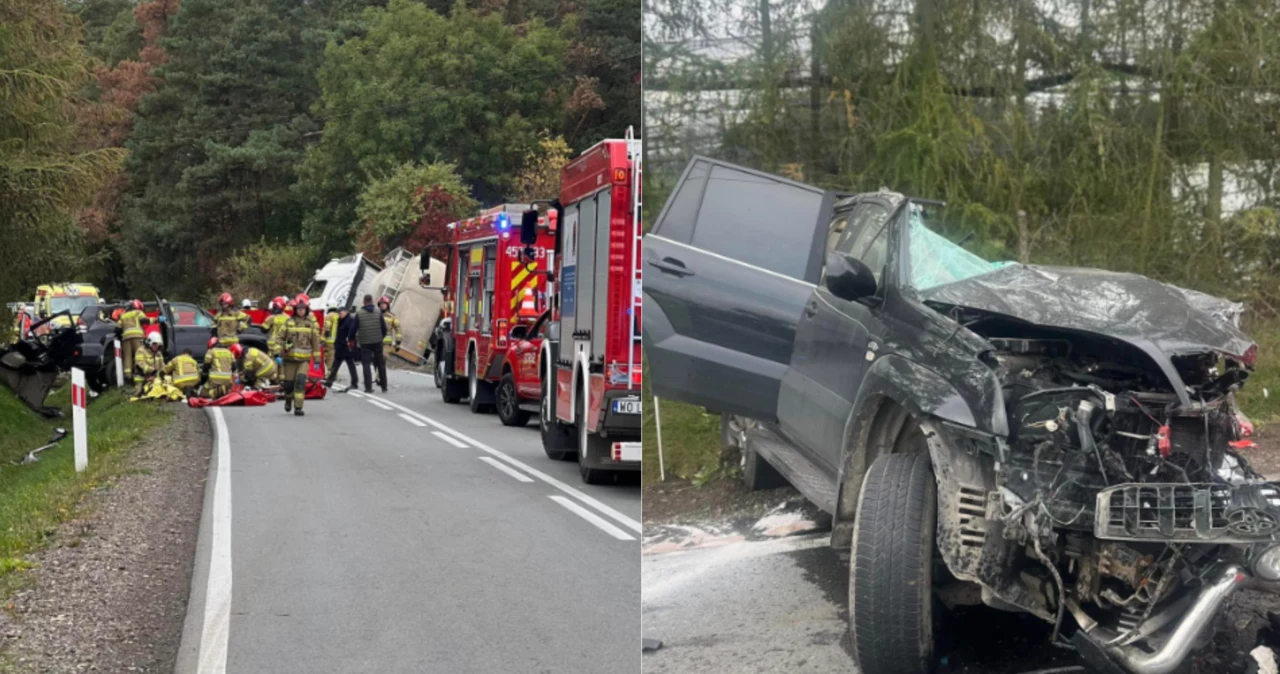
(1130, 307)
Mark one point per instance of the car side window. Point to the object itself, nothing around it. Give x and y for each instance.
(866, 237)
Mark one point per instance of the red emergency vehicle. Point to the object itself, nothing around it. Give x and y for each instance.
(495, 289)
(591, 395)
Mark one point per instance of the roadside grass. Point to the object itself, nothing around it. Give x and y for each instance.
(35, 498)
(690, 441)
(1260, 397)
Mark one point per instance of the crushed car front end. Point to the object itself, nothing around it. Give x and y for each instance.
(1119, 506)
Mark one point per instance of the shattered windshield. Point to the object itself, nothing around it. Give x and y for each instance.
(935, 260)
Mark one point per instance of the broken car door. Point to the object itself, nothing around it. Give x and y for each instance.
(729, 265)
(836, 337)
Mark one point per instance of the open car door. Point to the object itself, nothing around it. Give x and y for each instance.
(183, 328)
(729, 265)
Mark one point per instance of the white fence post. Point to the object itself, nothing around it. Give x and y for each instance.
(119, 366)
(657, 422)
(79, 399)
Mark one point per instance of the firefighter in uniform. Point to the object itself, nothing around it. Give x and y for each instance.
(230, 321)
(131, 335)
(391, 341)
(219, 368)
(301, 341)
(184, 371)
(149, 360)
(255, 366)
(331, 321)
(274, 325)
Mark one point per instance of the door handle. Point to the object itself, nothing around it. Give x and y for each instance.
(810, 309)
(670, 265)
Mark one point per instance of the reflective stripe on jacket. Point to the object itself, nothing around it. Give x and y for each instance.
(147, 362)
(230, 325)
(393, 328)
(220, 362)
(259, 363)
(274, 325)
(301, 339)
(184, 369)
(331, 327)
(131, 323)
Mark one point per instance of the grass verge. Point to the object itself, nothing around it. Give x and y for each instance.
(690, 441)
(35, 498)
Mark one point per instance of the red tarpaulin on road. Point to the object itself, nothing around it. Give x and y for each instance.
(237, 397)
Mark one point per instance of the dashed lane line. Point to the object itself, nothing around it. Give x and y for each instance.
(591, 517)
(449, 439)
(411, 420)
(506, 469)
(580, 496)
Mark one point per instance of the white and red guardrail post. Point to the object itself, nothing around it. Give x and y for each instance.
(119, 366)
(79, 400)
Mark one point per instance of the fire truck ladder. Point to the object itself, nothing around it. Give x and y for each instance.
(637, 245)
(399, 257)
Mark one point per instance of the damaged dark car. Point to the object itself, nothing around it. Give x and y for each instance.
(1059, 442)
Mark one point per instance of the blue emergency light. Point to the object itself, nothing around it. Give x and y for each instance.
(503, 222)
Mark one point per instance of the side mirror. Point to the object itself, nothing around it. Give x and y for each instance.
(848, 278)
(529, 227)
(424, 260)
(519, 332)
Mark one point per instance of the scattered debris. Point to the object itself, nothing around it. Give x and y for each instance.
(58, 434)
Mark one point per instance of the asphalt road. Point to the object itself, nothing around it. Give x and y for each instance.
(394, 533)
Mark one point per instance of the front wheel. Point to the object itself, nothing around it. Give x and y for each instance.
(439, 373)
(509, 412)
(452, 389)
(891, 607)
(590, 447)
(477, 390)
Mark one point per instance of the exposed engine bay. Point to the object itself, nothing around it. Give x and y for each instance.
(1126, 509)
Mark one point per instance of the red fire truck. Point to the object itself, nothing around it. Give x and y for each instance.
(495, 289)
(591, 396)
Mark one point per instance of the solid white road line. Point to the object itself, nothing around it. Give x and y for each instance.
(411, 420)
(448, 438)
(506, 469)
(375, 403)
(594, 503)
(217, 599)
(591, 517)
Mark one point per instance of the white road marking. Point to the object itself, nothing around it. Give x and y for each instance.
(375, 403)
(217, 598)
(411, 420)
(506, 469)
(448, 438)
(594, 503)
(591, 517)
(355, 393)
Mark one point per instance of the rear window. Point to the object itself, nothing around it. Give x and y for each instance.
(754, 218)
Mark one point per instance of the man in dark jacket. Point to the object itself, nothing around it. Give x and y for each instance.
(370, 329)
(344, 348)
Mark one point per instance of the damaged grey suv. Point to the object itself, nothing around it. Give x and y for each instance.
(1054, 441)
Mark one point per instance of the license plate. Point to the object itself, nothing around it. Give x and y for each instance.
(627, 406)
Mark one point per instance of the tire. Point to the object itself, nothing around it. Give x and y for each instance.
(477, 389)
(891, 604)
(508, 403)
(589, 446)
(439, 373)
(557, 441)
(757, 473)
(452, 389)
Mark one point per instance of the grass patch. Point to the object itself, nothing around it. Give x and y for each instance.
(1260, 397)
(690, 440)
(36, 498)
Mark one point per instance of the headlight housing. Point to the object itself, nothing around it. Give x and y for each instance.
(1267, 564)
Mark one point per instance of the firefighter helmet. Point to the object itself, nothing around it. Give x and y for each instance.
(154, 339)
(237, 350)
(302, 300)
(384, 300)
(246, 304)
(279, 302)
(213, 341)
(136, 305)
(225, 299)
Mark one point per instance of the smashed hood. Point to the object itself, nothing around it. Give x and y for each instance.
(1125, 306)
